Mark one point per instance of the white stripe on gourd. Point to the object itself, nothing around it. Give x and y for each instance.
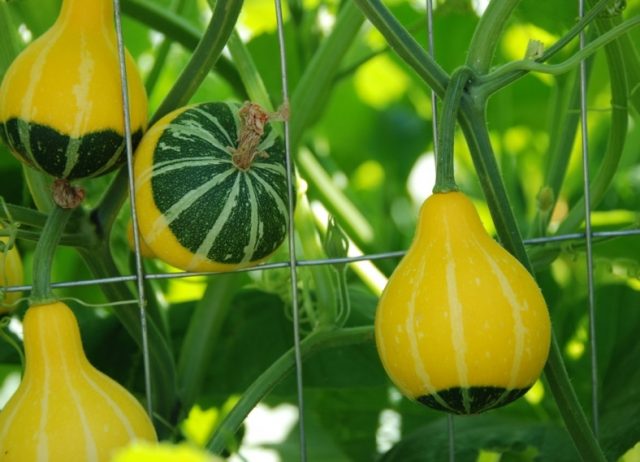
(185, 202)
(516, 307)
(230, 203)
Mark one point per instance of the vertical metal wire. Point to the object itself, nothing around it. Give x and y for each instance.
(136, 237)
(291, 234)
(436, 151)
(588, 234)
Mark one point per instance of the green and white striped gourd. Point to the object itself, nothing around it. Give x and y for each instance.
(60, 100)
(211, 187)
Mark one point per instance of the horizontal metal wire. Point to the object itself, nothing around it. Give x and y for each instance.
(318, 262)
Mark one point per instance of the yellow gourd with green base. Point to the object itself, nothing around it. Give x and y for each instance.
(65, 409)
(461, 326)
(60, 100)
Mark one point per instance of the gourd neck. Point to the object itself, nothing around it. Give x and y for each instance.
(51, 339)
(86, 14)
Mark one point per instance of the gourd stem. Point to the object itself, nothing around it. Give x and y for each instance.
(445, 178)
(488, 33)
(44, 252)
(576, 422)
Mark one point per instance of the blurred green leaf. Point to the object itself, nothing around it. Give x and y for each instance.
(531, 440)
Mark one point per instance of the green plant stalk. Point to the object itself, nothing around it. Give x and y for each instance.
(617, 134)
(160, 59)
(349, 69)
(43, 255)
(309, 95)
(492, 82)
(196, 351)
(10, 46)
(570, 63)
(563, 126)
(343, 300)
(225, 16)
(163, 374)
(312, 248)
(575, 421)
(23, 215)
(487, 35)
(338, 204)
(445, 178)
(336, 245)
(74, 234)
(281, 368)
(39, 185)
(159, 18)
(248, 72)
(163, 51)
(632, 68)
(72, 239)
(106, 211)
(176, 28)
(401, 41)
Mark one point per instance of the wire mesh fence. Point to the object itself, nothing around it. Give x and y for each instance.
(586, 238)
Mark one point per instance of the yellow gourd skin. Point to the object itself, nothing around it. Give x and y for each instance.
(145, 250)
(461, 325)
(11, 274)
(66, 84)
(65, 409)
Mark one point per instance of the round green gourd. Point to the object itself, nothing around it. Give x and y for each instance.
(60, 100)
(461, 326)
(211, 187)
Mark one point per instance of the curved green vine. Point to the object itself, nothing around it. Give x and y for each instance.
(445, 179)
(277, 371)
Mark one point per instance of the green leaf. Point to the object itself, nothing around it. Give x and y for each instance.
(544, 441)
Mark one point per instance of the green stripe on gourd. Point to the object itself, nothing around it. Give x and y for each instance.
(64, 156)
(198, 207)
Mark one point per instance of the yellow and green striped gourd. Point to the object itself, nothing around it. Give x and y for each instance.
(201, 203)
(64, 409)
(461, 326)
(60, 100)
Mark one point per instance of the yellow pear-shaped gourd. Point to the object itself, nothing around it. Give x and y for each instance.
(11, 274)
(60, 100)
(64, 409)
(461, 325)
